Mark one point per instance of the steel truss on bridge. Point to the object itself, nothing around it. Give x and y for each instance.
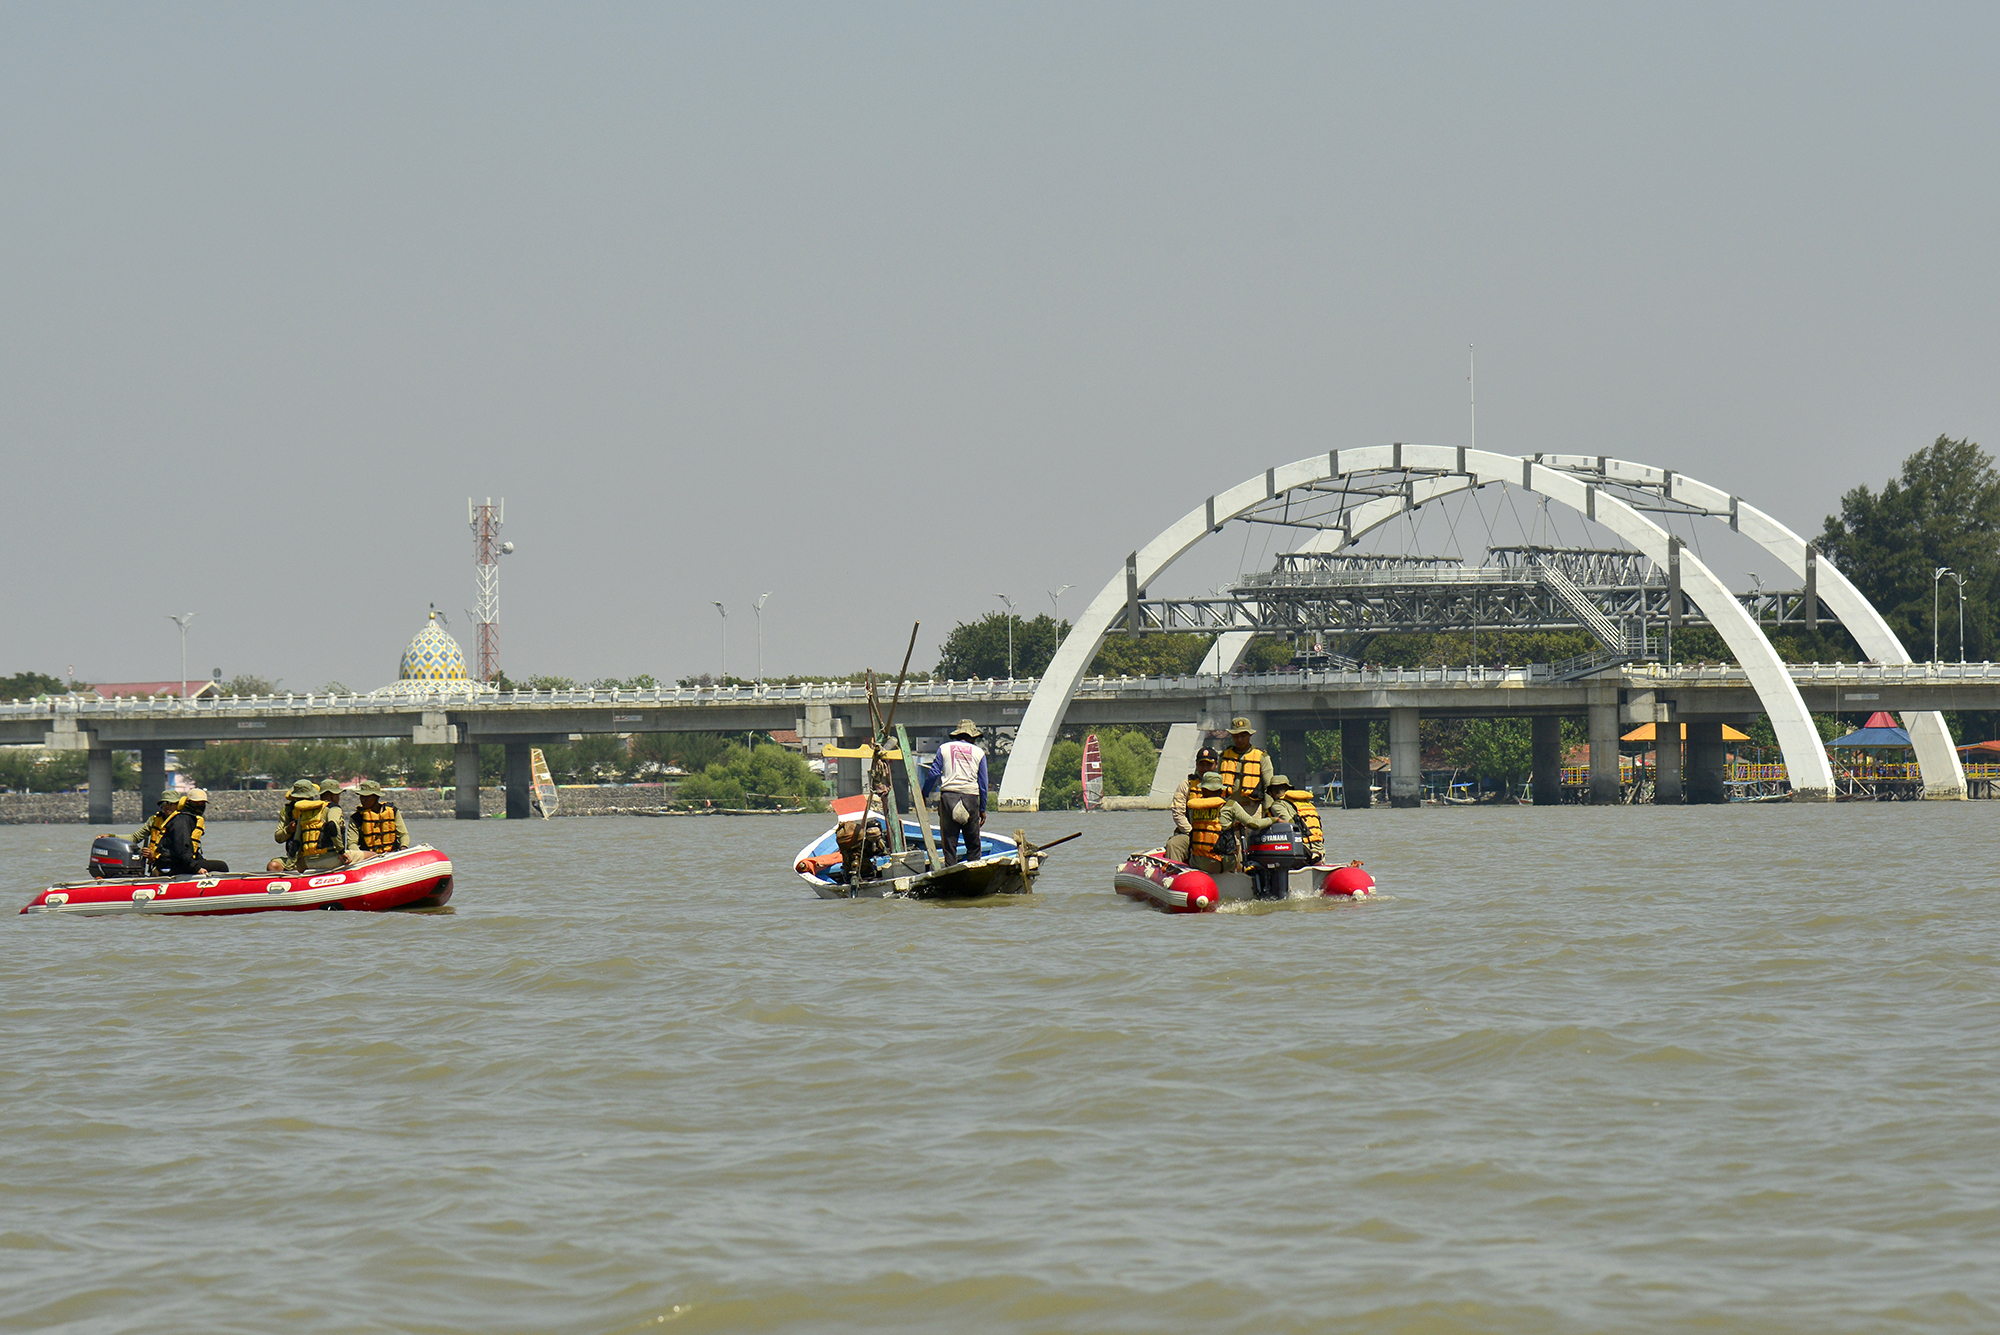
(1338, 497)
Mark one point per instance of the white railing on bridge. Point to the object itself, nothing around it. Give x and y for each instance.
(983, 690)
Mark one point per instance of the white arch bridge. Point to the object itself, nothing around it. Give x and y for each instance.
(1343, 495)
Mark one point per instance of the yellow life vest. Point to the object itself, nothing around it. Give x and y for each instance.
(1242, 771)
(156, 827)
(310, 825)
(194, 836)
(1205, 825)
(1302, 802)
(376, 828)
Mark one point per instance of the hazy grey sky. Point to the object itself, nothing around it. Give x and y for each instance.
(845, 302)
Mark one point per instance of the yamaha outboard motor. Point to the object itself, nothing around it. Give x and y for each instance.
(114, 855)
(1270, 855)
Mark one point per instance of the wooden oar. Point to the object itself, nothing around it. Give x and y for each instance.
(917, 797)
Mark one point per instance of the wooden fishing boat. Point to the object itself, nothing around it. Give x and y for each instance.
(412, 878)
(1002, 868)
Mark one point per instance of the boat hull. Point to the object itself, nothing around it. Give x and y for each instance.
(1174, 887)
(414, 878)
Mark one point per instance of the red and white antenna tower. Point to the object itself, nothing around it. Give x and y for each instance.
(487, 549)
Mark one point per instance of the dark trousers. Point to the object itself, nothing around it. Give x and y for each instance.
(953, 831)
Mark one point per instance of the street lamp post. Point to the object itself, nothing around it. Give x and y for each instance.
(725, 644)
(758, 607)
(1936, 575)
(1010, 633)
(182, 621)
(1055, 597)
(1961, 614)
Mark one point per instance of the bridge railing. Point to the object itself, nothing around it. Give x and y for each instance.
(976, 690)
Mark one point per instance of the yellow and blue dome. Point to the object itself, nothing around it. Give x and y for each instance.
(433, 665)
(433, 656)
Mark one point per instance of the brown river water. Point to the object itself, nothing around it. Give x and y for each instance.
(1574, 1070)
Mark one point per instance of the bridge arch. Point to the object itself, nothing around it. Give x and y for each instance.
(1589, 485)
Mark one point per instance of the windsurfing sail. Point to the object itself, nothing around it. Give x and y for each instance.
(544, 796)
(1093, 775)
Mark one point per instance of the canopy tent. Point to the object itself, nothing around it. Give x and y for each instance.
(1645, 733)
(1981, 750)
(1880, 731)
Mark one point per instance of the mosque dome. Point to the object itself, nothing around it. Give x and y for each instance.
(433, 656)
(434, 665)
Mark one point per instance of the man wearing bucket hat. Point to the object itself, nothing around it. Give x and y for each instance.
(311, 833)
(180, 845)
(1243, 767)
(957, 774)
(329, 791)
(378, 827)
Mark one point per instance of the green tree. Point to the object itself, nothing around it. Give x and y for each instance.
(1123, 655)
(979, 648)
(1943, 510)
(1127, 754)
(28, 685)
(764, 776)
(245, 683)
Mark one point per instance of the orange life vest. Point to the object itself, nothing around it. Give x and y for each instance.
(1205, 825)
(1242, 771)
(377, 828)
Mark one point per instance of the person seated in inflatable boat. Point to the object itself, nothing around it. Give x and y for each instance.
(1217, 821)
(180, 844)
(314, 840)
(147, 840)
(1295, 806)
(1177, 843)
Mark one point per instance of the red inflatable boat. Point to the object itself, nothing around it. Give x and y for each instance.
(1175, 887)
(414, 878)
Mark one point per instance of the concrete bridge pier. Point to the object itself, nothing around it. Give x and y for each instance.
(100, 785)
(1291, 755)
(1406, 761)
(152, 777)
(1707, 764)
(520, 780)
(1666, 757)
(1605, 783)
(1545, 743)
(1355, 792)
(465, 777)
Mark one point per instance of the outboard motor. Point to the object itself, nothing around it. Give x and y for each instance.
(1270, 855)
(114, 855)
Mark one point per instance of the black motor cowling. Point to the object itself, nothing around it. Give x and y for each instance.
(1277, 847)
(114, 855)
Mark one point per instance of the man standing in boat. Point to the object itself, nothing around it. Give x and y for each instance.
(1243, 767)
(957, 774)
(180, 844)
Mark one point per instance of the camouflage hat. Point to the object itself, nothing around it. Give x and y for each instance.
(368, 788)
(1240, 724)
(1213, 782)
(966, 728)
(304, 788)
(329, 788)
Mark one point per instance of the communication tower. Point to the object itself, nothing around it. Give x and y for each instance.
(487, 549)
